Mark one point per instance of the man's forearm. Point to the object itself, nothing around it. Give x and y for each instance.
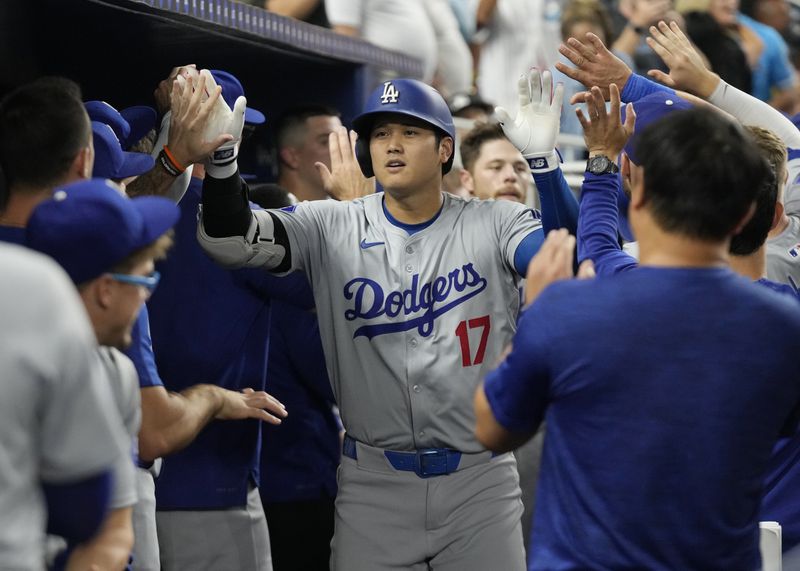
(559, 206)
(170, 421)
(155, 182)
(226, 210)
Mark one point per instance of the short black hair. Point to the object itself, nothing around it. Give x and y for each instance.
(702, 173)
(754, 233)
(269, 195)
(295, 117)
(480, 134)
(43, 127)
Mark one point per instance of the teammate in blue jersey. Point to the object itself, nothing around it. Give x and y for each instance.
(660, 425)
(416, 293)
(212, 325)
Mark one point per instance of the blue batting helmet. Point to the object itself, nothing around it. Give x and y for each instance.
(403, 97)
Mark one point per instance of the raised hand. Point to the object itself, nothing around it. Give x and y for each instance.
(687, 70)
(344, 180)
(191, 109)
(603, 131)
(534, 129)
(594, 65)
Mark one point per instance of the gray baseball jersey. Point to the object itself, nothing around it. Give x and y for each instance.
(410, 323)
(124, 384)
(56, 412)
(783, 254)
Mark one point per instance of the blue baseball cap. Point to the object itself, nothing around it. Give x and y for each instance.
(231, 90)
(648, 110)
(102, 112)
(110, 161)
(141, 119)
(90, 226)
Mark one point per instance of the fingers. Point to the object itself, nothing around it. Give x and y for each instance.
(334, 151)
(558, 98)
(597, 44)
(353, 141)
(325, 175)
(657, 46)
(570, 72)
(661, 77)
(523, 90)
(537, 86)
(630, 119)
(580, 97)
(615, 101)
(588, 52)
(667, 32)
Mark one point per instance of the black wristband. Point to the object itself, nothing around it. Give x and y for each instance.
(641, 30)
(166, 164)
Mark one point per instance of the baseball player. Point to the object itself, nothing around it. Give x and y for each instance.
(113, 278)
(416, 293)
(56, 415)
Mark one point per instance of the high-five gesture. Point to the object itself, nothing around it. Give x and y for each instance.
(535, 128)
(687, 70)
(604, 132)
(344, 180)
(594, 65)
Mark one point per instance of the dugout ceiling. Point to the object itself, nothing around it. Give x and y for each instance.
(118, 50)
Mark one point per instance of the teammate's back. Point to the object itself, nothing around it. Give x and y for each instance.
(658, 433)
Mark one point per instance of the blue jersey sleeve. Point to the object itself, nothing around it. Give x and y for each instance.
(76, 510)
(141, 352)
(637, 87)
(518, 389)
(597, 226)
(559, 206)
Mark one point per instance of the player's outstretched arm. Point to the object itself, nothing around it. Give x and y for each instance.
(533, 131)
(170, 421)
(604, 135)
(344, 180)
(688, 72)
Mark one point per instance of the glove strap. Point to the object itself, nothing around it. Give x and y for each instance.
(222, 163)
(541, 164)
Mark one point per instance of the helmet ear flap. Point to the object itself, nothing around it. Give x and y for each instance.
(363, 156)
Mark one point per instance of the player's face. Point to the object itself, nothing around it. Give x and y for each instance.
(406, 156)
(315, 146)
(125, 306)
(499, 172)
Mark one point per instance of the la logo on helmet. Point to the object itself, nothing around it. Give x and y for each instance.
(390, 93)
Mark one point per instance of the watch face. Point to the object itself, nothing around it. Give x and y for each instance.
(599, 164)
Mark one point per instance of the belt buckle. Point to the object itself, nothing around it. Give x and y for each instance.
(431, 462)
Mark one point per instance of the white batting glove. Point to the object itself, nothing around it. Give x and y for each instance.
(222, 120)
(535, 128)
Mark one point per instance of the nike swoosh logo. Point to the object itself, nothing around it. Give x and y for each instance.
(365, 244)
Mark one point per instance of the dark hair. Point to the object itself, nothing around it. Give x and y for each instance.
(473, 141)
(723, 52)
(702, 172)
(268, 195)
(755, 232)
(295, 118)
(43, 127)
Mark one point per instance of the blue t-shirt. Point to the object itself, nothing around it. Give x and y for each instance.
(12, 235)
(664, 391)
(773, 70)
(299, 457)
(210, 325)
